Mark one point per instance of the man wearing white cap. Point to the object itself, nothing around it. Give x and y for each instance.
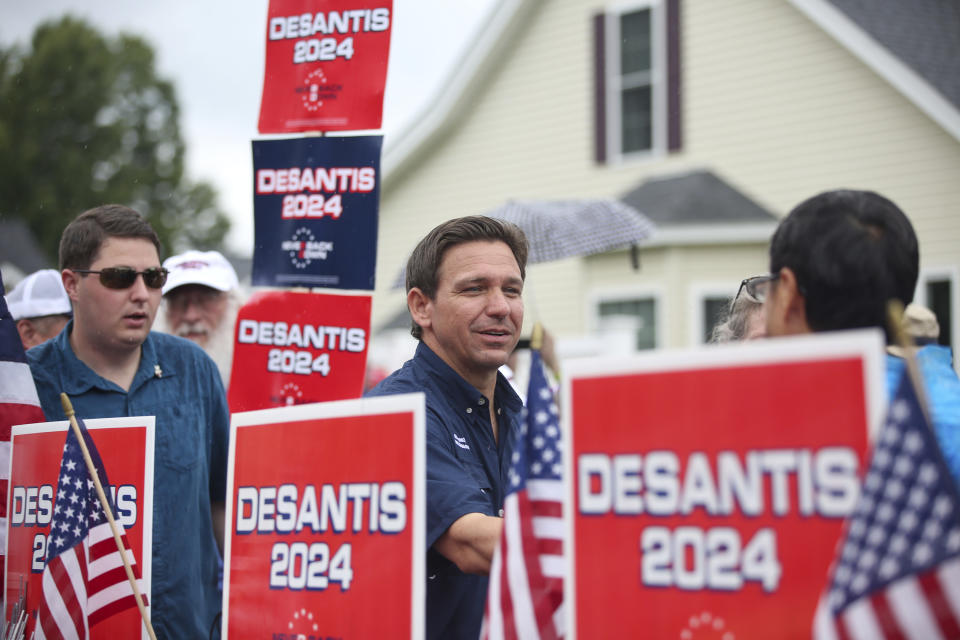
(201, 300)
(40, 307)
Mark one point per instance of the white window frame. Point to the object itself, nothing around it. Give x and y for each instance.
(697, 294)
(952, 274)
(658, 79)
(621, 294)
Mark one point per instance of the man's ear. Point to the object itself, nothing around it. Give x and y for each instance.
(420, 306)
(28, 332)
(70, 280)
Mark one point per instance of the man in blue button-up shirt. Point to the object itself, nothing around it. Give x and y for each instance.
(464, 287)
(110, 364)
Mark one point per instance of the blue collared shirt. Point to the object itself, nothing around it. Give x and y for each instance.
(466, 473)
(179, 384)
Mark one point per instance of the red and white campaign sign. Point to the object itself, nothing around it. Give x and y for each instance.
(296, 348)
(326, 65)
(708, 487)
(326, 517)
(126, 449)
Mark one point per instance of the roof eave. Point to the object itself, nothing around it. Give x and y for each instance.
(711, 234)
(885, 64)
(460, 86)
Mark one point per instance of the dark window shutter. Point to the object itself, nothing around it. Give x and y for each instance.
(674, 111)
(599, 92)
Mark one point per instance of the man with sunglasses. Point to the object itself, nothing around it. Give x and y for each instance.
(835, 262)
(110, 364)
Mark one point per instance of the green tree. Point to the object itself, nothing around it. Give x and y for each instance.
(85, 120)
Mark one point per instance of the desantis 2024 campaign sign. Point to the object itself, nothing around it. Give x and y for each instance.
(709, 487)
(297, 348)
(326, 521)
(315, 212)
(326, 65)
(126, 448)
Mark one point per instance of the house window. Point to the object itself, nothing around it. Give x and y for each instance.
(714, 311)
(638, 315)
(632, 86)
(637, 79)
(940, 301)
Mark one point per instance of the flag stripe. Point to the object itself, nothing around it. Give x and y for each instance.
(505, 604)
(909, 607)
(940, 609)
(949, 576)
(516, 569)
(18, 387)
(548, 528)
(543, 607)
(493, 616)
(885, 617)
(71, 595)
(113, 593)
(552, 566)
(550, 547)
(860, 622)
(545, 490)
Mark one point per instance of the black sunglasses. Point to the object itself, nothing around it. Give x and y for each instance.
(124, 277)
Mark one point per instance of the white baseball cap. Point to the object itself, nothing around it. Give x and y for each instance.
(39, 294)
(208, 268)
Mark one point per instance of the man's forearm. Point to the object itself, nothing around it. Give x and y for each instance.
(470, 542)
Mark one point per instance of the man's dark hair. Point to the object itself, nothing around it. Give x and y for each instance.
(852, 252)
(425, 260)
(81, 240)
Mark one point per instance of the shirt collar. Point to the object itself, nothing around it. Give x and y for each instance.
(80, 378)
(460, 392)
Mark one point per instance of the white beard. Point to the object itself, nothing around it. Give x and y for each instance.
(219, 339)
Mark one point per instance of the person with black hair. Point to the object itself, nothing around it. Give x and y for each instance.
(836, 261)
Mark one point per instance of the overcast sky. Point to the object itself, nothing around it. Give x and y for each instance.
(213, 52)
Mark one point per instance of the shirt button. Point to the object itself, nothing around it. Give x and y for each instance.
(469, 409)
(501, 513)
(482, 401)
(498, 411)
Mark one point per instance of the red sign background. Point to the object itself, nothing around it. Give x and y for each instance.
(324, 358)
(356, 442)
(326, 65)
(126, 448)
(687, 572)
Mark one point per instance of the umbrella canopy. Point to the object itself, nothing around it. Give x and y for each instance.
(558, 229)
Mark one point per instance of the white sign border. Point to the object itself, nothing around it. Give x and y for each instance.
(868, 344)
(414, 403)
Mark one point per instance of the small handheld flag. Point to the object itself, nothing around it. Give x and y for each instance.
(86, 578)
(525, 596)
(897, 571)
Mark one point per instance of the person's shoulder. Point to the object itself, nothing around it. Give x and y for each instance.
(403, 380)
(45, 357)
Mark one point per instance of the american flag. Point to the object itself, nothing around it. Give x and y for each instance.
(897, 571)
(525, 596)
(19, 403)
(84, 581)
